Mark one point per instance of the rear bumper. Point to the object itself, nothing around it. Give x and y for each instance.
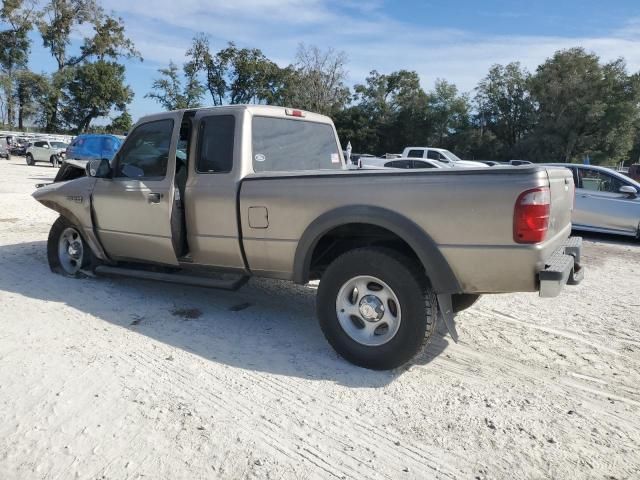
(562, 268)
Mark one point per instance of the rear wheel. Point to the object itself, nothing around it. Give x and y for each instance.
(375, 308)
(67, 251)
(30, 160)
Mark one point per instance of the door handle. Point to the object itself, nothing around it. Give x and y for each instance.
(154, 197)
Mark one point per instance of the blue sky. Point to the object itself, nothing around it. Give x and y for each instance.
(457, 41)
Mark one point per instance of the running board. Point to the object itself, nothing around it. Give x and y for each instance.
(182, 279)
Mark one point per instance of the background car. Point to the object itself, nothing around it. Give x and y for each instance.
(606, 201)
(4, 149)
(43, 150)
(93, 147)
(410, 163)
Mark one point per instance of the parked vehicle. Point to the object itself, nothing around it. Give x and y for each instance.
(19, 147)
(410, 163)
(264, 191)
(606, 201)
(4, 149)
(46, 151)
(439, 154)
(634, 172)
(517, 163)
(93, 147)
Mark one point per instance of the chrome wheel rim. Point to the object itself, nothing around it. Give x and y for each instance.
(368, 310)
(70, 251)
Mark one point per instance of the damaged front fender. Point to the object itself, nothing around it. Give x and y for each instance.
(72, 200)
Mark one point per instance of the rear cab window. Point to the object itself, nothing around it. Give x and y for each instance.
(282, 145)
(415, 154)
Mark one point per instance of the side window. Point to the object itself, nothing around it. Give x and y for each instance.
(38, 144)
(415, 154)
(215, 144)
(419, 164)
(597, 181)
(433, 155)
(145, 154)
(399, 164)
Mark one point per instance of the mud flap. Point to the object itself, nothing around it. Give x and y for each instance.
(446, 311)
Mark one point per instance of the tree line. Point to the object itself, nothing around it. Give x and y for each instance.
(574, 105)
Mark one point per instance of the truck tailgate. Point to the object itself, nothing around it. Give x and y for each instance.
(562, 194)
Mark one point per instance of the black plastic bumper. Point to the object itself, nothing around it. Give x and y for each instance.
(562, 268)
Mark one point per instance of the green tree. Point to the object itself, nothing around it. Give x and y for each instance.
(395, 108)
(237, 75)
(31, 90)
(448, 113)
(17, 18)
(169, 92)
(121, 124)
(95, 89)
(59, 21)
(584, 107)
(504, 105)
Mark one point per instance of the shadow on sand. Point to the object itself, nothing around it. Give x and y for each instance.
(266, 326)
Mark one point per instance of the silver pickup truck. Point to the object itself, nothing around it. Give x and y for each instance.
(210, 197)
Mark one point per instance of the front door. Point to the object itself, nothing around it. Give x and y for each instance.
(601, 206)
(133, 209)
(40, 151)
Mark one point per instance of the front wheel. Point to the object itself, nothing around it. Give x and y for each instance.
(55, 160)
(376, 308)
(67, 251)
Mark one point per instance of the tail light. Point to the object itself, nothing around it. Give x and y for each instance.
(294, 113)
(531, 216)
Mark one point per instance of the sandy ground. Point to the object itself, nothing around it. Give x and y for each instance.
(114, 379)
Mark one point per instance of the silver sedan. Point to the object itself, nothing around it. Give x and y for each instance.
(606, 201)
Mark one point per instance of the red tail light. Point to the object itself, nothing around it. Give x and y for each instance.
(531, 216)
(294, 113)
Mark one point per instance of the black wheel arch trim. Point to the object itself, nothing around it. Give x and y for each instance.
(442, 278)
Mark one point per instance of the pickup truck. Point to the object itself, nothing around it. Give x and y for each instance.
(209, 197)
(441, 155)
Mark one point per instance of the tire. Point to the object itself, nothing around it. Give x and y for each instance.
(343, 311)
(463, 301)
(30, 160)
(67, 251)
(55, 161)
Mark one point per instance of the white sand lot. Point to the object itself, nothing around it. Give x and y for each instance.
(114, 379)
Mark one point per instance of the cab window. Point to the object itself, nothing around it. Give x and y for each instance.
(145, 154)
(415, 154)
(282, 145)
(433, 155)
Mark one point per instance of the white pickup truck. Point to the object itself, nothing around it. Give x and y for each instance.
(441, 155)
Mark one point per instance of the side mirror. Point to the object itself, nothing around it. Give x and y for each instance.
(98, 168)
(629, 190)
(46, 146)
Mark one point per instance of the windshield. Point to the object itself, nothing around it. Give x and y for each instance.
(452, 156)
(59, 145)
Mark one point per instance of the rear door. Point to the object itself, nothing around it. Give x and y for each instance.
(600, 205)
(133, 209)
